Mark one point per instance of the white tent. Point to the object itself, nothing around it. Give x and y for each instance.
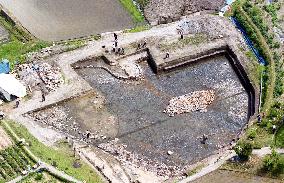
(10, 86)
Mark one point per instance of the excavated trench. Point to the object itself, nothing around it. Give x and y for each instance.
(132, 111)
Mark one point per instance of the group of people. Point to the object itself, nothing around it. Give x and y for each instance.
(181, 33)
(116, 49)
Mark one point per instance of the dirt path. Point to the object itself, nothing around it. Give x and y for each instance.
(5, 141)
(42, 165)
(216, 164)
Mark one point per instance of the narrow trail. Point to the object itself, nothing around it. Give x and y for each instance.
(229, 154)
(42, 165)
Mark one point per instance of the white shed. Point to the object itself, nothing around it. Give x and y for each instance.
(11, 88)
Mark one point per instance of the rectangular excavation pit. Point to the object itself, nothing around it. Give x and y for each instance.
(131, 112)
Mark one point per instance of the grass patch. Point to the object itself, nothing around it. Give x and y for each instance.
(263, 137)
(42, 177)
(279, 137)
(195, 170)
(138, 28)
(193, 40)
(62, 157)
(251, 166)
(142, 3)
(254, 68)
(254, 167)
(15, 51)
(21, 43)
(133, 10)
(16, 32)
(260, 43)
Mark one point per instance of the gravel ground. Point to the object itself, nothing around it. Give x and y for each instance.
(163, 11)
(54, 20)
(150, 133)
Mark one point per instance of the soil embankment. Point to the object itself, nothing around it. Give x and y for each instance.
(164, 11)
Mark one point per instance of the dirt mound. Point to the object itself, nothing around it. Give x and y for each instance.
(165, 11)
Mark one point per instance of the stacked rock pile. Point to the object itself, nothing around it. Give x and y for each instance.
(195, 101)
(33, 74)
(140, 161)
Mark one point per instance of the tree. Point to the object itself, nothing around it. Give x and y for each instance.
(273, 163)
(243, 149)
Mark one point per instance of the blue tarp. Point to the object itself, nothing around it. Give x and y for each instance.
(4, 66)
(260, 59)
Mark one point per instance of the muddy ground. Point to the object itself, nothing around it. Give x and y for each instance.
(54, 20)
(163, 11)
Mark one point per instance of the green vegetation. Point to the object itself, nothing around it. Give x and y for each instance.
(273, 163)
(195, 170)
(62, 157)
(279, 138)
(252, 132)
(13, 160)
(193, 40)
(142, 3)
(42, 177)
(133, 10)
(138, 28)
(272, 10)
(243, 149)
(20, 43)
(254, 68)
(15, 51)
(255, 31)
(263, 137)
(255, 19)
(16, 32)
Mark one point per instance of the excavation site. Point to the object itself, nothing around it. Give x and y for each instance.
(163, 121)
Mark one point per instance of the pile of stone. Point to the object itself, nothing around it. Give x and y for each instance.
(57, 117)
(54, 117)
(139, 161)
(34, 74)
(195, 101)
(48, 52)
(166, 11)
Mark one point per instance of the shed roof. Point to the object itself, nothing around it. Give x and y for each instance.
(12, 86)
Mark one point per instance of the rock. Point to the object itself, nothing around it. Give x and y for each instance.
(170, 152)
(195, 101)
(33, 74)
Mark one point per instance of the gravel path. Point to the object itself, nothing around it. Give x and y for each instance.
(229, 154)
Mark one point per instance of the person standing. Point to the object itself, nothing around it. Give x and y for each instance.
(17, 103)
(167, 55)
(42, 96)
(115, 36)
